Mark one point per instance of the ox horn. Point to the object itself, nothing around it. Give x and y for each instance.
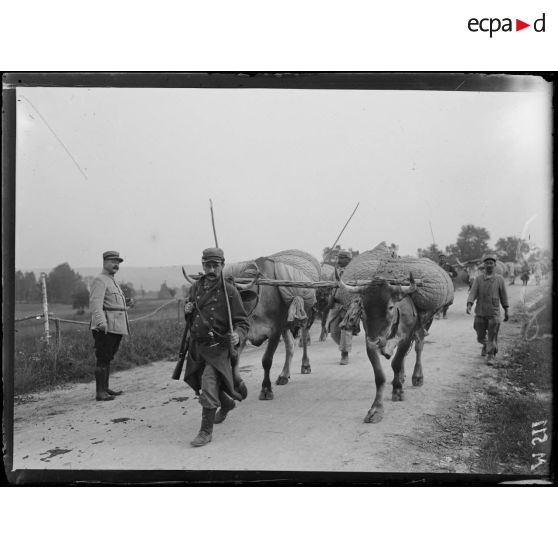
(357, 289)
(186, 277)
(242, 287)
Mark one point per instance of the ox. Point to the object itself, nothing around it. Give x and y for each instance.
(391, 323)
(269, 320)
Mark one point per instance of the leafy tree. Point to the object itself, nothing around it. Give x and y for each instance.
(27, 289)
(165, 291)
(62, 283)
(80, 299)
(128, 290)
(509, 249)
(471, 244)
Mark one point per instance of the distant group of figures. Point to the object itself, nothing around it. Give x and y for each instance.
(509, 270)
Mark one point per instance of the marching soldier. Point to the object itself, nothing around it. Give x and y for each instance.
(208, 368)
(489, 292)
(109, 321)
(343, 337)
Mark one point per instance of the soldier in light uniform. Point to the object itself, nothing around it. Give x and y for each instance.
(109, 321)
(208, 368)
(343, 337)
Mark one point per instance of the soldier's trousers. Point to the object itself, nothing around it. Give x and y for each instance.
(211, 394)
(487, 332)
(106, 345)
(343, 338)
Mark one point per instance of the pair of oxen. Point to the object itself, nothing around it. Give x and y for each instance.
(393, 313)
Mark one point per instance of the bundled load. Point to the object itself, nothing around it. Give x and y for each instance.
(434, 285)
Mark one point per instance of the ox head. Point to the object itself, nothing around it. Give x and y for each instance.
(382, 313)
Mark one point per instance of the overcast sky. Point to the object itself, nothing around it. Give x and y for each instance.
(133, 169)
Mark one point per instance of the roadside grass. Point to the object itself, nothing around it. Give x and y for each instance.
(520, 398)
(38, 366)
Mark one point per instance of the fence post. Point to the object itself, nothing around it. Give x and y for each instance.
(58, 333)
(45, 307)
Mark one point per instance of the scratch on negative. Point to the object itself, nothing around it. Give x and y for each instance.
(56, 136)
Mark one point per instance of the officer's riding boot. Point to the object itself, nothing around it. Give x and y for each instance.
(344, 358)
(102, 394)
(110, 391)
(204, 435)
(227, 405)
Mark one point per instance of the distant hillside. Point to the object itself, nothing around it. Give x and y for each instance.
(150, 278)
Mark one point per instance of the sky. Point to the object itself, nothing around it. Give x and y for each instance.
(133, 170)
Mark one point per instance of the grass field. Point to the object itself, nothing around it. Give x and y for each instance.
(40, 366)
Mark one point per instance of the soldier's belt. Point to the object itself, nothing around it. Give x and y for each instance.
(114, 309)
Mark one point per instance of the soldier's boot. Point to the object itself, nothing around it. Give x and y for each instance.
(227, 405)
(101, 395)
(205, 434)
(344, 358)
(490, 359)
(110, 391)
(483, 350)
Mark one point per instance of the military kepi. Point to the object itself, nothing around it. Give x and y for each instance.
(112, 255)
(213, 255)
(489, 257)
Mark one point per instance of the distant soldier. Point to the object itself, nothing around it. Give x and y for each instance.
(109, 321)
(450, 270)
(343, 337)
(525, 274)
(208, 368)
(489, 290)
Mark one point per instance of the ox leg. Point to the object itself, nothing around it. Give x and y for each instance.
(398, 366)
(376, 412)
(305, 366)
(418, 378)
(267, 360)
(323, 333)
(288, 338)
(304, 335)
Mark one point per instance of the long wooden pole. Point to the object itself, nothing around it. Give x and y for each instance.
(45, 307)
(339, 235)
(213, 224)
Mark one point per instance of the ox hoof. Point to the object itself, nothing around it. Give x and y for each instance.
(266, 395)
(374, 416)
(398, 396)
(305, 369)
(282, 380)
(417, 382)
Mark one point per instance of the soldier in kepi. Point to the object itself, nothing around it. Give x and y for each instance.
(489, 290)
(109, 322)
(208, 368)
(343, 337)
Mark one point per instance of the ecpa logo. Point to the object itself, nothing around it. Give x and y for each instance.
(493, 25)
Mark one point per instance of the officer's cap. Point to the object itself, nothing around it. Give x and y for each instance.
(489, 257)
(344, 254)
(213, 255)
(112, 255)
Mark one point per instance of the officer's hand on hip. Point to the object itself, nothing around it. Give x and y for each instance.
(188, 308)
(469, 308)
(235, 338)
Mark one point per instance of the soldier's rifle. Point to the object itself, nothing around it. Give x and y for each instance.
(183, 344)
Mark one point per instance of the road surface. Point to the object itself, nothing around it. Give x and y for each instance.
(315, 422)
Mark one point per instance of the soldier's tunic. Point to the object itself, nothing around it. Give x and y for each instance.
(108, 308)
(208, 367)
(489, 292)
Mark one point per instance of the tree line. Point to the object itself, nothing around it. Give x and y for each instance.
(473, 242)
(66, 286)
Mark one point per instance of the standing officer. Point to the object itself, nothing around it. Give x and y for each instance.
(489, 290)
(343, 337)
(109, 321)
(208, 368)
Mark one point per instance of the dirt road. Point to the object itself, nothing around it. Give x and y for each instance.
(315, 422)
